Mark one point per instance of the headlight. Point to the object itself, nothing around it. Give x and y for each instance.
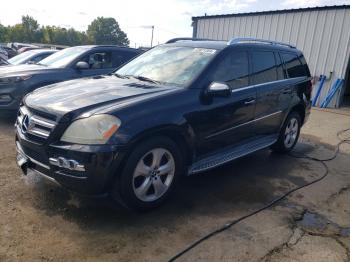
(92, 130)
(13, 79)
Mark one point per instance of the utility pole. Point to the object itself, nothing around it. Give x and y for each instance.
(152, 27)
(152, 36)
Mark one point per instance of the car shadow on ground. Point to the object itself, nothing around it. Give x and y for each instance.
(240, 186)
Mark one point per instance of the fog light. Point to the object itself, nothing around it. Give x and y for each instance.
(67, 163)
(5, 98)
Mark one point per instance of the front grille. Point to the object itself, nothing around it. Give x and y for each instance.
(33, 125)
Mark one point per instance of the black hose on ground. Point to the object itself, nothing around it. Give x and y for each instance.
(276, 200)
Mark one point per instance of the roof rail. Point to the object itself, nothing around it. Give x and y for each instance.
(247, 39)
(174, 40)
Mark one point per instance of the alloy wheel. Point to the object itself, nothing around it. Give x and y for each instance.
(153, 174)
(291, 132)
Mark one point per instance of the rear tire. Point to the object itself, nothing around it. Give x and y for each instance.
(149, 175)
(289, 134)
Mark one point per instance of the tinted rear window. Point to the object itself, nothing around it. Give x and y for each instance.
(264, 67)
(305, 66)
(293, 65)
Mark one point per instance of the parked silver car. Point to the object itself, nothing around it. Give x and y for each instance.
(31, 57)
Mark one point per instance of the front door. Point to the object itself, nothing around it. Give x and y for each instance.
(100, 63)
(226, 121)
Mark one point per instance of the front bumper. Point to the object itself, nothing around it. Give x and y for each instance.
(97, 165)
(15, 92)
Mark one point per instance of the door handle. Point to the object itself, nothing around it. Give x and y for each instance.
(249, 102)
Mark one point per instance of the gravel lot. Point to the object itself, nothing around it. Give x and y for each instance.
(42, 222)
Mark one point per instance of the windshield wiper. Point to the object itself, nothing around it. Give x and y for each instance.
(144, 78)
(120, 76)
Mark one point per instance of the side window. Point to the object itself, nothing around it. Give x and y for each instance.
(233, 70)
(264, 67)
(293, 65)
(99, 60)
(39, 58)
(304, 64)
(279, 66)
(121, 57)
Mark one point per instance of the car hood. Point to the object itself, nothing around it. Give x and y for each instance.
(14, 70)
(88, 94)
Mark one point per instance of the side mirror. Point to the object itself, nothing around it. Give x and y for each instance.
(30, 62)
(81, 65)
(219, 89)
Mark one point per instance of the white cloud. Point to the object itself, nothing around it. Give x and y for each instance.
(310, 3)
(301, 3)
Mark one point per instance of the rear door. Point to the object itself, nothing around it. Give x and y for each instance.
(226, 121)
(268, 76)
(298, 78)
(297, 72)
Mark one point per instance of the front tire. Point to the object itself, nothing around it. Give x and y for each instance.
(150, 174)
(289, 134)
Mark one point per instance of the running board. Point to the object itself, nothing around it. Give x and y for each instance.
(230, 154)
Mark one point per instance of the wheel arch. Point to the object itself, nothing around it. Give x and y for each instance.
(300, 109)
(183, 136)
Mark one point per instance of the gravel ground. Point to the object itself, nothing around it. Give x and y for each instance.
(42, 222)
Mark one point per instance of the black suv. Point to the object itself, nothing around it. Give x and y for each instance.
(70, 63)
(180, 108)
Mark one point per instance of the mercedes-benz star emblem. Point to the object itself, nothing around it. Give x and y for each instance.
(27, 124)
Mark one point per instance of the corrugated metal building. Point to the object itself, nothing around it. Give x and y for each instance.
(322, 33)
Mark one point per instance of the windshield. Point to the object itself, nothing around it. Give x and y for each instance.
(64, 57)
(169, 64)
(19, 59)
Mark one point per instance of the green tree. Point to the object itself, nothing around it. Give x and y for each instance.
(47, 34)
(3, 33)
(102, 31)
(63, 36)
(30, 29)
(75, 37)
(16, 33)
(59, 36)
(106, 31)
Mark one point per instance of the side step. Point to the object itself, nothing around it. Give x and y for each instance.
(229, 154)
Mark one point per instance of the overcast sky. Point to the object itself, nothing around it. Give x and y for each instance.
(171, 18)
